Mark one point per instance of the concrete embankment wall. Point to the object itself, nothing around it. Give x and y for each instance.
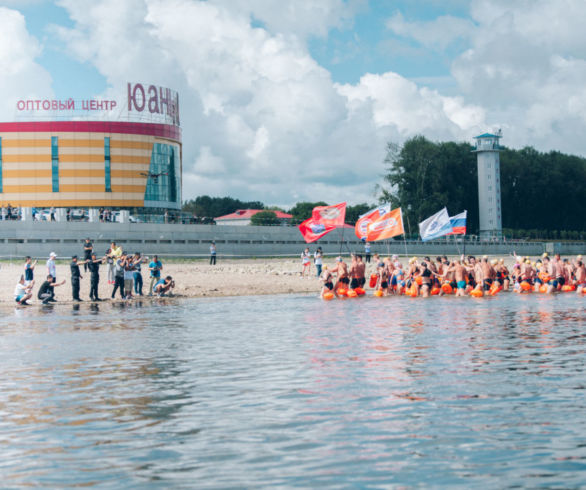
(19, 238)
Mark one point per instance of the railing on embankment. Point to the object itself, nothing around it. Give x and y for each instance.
(38, 239)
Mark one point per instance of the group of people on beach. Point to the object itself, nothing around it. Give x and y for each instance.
(461, 276)
(124, 274)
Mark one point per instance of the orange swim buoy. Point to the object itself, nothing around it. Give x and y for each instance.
(373, 279)
(419, 280)
(447, 289)
(566, 288)
(378, 293)
(352, 293)
(495, 290)
(360, 291)
(328, 296)
(525, 286)
(435, 291)
(342, 291)
(543, 288)
(476, 293)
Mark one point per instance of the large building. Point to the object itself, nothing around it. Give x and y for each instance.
(85, 163)
(489, 185)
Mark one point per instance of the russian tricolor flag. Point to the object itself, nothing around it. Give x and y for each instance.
(458, 223)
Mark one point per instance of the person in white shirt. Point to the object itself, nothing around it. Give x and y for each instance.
(318, 260)
(51, 267)
(22, 292)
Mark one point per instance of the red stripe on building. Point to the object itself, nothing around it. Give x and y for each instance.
(148, 129)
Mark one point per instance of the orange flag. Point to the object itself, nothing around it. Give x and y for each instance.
(380, 223)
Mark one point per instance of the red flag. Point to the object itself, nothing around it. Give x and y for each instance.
(330, 215)
(313, 231)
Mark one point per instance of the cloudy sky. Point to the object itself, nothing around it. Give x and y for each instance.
(290, 100)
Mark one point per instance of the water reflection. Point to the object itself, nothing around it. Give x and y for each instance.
(292, 391)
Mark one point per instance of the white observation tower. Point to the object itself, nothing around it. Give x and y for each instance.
(489, 184)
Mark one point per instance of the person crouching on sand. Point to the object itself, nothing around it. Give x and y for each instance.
(164, 286)
(22, 292)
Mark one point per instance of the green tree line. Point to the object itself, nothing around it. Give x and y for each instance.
(212, 207)
(539, 191)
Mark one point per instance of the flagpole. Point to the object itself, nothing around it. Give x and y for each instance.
(342, 239)
(404, 239)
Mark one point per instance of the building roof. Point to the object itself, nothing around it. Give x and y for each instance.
(249, 213)
(487, 135)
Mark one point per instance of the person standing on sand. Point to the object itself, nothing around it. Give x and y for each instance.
(75, 277)
(155, 267)
(119, 275)
(138, 261)
(318, 260)
(305, 263)
(113, 256)
(128, 277)
(213, 253)
(51, 268)
(94, 267)
(367, 252)
(29, 270)
(88, 246)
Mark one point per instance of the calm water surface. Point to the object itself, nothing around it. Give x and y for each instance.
(289, 391)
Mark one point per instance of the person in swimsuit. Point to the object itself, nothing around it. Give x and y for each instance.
(426, 275)
(382, 282)
(327, 279)
(360, 272)
(342, 274)
(580, 276)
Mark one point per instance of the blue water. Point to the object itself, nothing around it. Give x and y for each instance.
(290, 391)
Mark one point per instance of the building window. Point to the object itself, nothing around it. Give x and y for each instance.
(490, 188)
(55, 163)
(107, 173)
(163, 184)
(1, 189)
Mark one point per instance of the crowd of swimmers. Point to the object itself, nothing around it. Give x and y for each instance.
(464, 276)
(124, 274)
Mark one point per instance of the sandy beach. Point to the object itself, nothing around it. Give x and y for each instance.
(193, 278)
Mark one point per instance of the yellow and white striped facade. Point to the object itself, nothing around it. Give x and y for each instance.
(96, 163)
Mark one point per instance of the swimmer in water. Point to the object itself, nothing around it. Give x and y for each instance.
(341, 271)
(327, 279)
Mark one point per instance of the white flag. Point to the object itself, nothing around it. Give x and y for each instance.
(435, 226)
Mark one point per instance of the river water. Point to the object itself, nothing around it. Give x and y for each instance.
(291, 391)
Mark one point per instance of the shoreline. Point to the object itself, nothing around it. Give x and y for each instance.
(194, 279)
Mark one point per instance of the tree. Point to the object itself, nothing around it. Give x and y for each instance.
(302, 210)
(217, 206)
(540, 192)
(264, 218)
(423, 177)
(354, 212)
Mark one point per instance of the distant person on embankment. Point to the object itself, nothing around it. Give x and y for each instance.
(213, 253)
